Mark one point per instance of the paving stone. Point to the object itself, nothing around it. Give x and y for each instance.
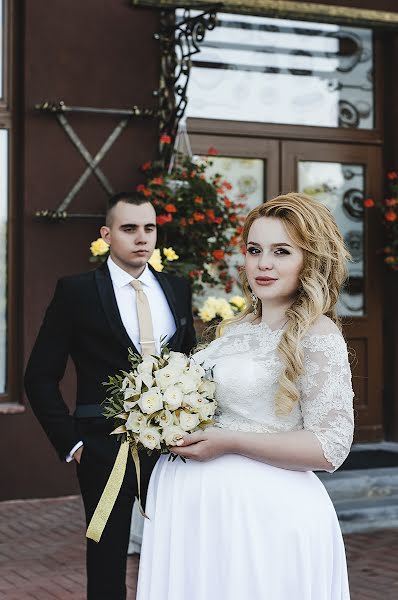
(42, 554)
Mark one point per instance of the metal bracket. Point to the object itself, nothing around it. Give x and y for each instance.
(179, 41)
(59, 110)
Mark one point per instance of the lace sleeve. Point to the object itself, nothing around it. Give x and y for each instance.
(326, 395)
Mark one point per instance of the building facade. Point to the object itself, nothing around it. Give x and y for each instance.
(324, 120)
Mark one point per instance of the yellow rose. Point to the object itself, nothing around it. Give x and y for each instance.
(239, 302)
(156, 260)
(170, 254)
(99, 247)
(206, 314)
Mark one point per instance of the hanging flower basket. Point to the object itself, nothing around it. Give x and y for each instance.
(389, 210)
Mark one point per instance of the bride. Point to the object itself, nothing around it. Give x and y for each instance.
(245, 516)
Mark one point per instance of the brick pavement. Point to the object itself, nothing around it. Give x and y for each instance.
(42, 554)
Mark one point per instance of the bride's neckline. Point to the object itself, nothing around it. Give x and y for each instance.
(264, 325)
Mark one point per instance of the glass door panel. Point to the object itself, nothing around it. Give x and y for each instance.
(341, 188)
(251, 166)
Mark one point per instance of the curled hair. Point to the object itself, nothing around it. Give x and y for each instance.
(312, 227)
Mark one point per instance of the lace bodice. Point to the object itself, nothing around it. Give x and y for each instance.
(246, 367)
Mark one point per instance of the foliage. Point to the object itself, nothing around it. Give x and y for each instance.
(389, 210)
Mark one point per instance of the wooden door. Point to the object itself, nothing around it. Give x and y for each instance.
(342, 175)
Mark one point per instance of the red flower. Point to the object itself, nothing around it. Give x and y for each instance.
(198, 216)
(392, 175)
(161, 193)
(143, 190)
(389, 259)
(217, 220)
(368, 203)
(183, 222)
(157, 181)
(239, 229)
(391, 216)
(190, 221)
(218, 254)
(170, 208)
(233, 218)
(193, 173)
(147, 165)
(162, 219)
(212, 151)
(165, 139)
(198, 200)
(391, 201)
(227, 185)
(227, 202)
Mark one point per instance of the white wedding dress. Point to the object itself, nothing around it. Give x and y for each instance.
(234, 528)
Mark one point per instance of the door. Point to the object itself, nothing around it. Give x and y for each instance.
(341, 176)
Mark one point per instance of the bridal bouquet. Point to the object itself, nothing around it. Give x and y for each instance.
(156, 403)
(161, 399)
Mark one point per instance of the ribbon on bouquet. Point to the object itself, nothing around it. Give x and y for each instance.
(112, 489)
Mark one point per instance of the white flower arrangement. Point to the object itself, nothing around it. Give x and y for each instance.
(161, 399)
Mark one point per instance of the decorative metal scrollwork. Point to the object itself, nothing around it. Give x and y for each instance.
(179, 41)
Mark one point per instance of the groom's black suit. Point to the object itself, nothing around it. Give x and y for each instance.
(83, 322)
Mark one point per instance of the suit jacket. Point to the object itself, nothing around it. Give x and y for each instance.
(83, 322)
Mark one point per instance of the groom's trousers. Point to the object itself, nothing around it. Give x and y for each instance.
(107, 559)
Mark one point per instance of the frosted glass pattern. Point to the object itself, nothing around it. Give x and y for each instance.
(341, 188)
(279, 71)
(247, 177)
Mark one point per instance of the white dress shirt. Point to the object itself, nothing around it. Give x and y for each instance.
(162, 318)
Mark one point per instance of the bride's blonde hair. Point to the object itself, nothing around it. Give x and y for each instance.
(312, 227)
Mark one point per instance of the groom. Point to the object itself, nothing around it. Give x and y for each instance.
(93, 319)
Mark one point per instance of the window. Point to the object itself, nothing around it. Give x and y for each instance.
(281, 71)
(7, 278)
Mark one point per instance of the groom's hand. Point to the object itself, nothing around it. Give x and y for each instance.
(78, 454)
(205, 445)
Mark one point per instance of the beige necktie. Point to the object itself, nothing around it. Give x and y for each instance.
(144, 320)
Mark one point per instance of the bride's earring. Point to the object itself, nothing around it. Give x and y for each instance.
(254, 300)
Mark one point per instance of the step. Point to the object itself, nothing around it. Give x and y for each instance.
(365, 499)
(368, 515)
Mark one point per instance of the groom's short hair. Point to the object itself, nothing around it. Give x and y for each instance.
(128, 197)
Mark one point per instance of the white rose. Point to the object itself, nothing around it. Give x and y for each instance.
(129, 405)
(167, 376)
(196, 370)
(165, 418)
(130, 392)
(146, 379)
(178, 358)
(188, 421)
(207, 388)
(150, 437)
(147, 364)
(136, 421)
(188, 383)
(173, 397)
(151, 401)
(193, 400)
(171, 434)
(206, 411)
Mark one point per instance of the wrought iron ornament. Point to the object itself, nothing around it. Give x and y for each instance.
(179, 41)
(59, 110)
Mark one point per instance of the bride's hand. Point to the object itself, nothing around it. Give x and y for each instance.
(204, 445)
